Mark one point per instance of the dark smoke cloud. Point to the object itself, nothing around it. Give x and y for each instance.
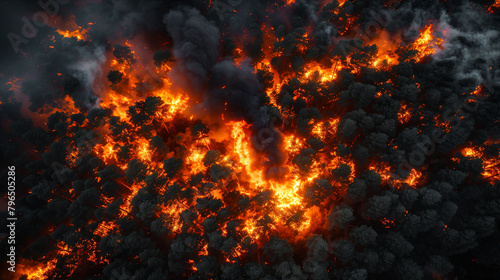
(324, 30)
(67, 66)
(446, 228)
(234, 90)
(129, 18)
(470, 47)
(71, 70)
(196, 42)
(237, 92)
(240, 88)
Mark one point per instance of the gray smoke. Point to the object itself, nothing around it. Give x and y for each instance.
(474, 51)
(196, 42)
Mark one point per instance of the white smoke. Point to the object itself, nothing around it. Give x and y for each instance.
(88, 68)
(475, 51)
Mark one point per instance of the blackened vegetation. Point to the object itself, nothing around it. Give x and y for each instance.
(445, 228)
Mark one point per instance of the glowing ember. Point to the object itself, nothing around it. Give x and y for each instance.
(426, 44)
(491, 165)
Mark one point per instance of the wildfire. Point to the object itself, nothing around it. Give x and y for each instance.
(287, 191)
(170, 162)
(427, 44)
(491, 165)
(195, 159)
(39, 272)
